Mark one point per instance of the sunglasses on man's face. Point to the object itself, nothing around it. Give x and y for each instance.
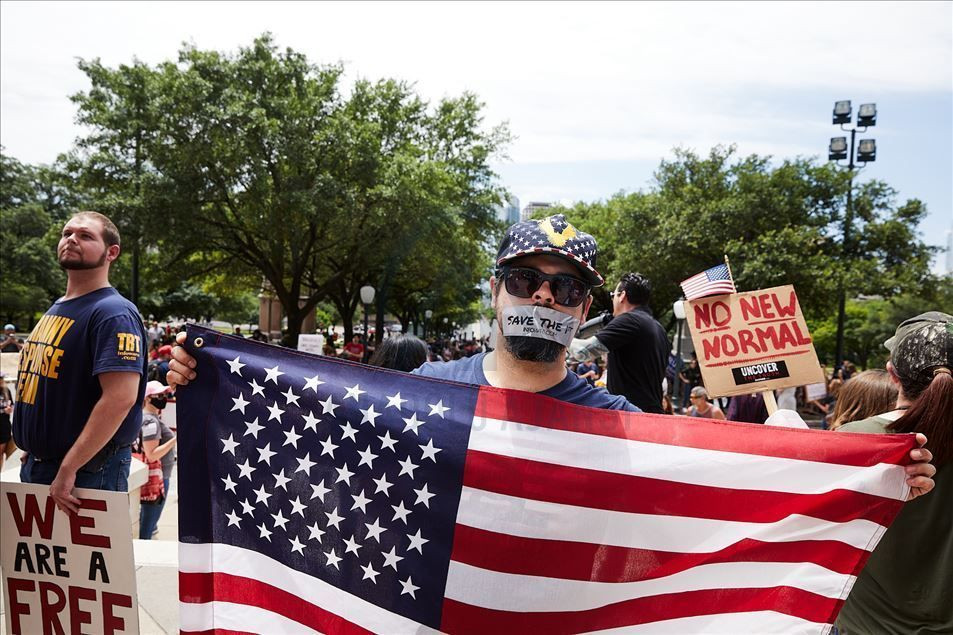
(523, 282)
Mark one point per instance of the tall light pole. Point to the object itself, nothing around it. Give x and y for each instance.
(367, 297)
(679, 310)
(427, 315)
(866, 153)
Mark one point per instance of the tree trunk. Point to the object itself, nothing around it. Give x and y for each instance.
(347, 321)
(295, 320)
(379, 320)
(134, 287)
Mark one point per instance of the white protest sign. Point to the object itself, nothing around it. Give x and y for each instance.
(311, 343)
(816, 391)
(66, 573)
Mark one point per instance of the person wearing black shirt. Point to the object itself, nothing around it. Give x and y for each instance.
(637, 344)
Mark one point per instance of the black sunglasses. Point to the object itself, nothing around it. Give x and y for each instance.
(523, 282)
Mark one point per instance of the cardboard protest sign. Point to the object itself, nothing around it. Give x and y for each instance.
(752, 342)
(66, 573)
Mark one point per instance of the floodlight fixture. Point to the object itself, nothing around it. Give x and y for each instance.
(867, 115)
(867, 150)
(842, 111)
(837, 149)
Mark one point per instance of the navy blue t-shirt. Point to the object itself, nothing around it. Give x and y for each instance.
(572, 389)
(57, 383)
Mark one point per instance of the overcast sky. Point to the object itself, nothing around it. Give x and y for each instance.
(596, 94)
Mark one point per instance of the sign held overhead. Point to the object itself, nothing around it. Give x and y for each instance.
(752, 342)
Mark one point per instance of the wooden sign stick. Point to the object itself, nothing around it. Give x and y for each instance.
(728, 265)
(770, 402)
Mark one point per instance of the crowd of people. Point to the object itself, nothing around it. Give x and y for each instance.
(77, 423)
(864, 392)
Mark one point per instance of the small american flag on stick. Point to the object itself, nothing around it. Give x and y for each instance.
(714, 281)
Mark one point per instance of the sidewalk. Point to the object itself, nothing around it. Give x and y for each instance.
(157, 571)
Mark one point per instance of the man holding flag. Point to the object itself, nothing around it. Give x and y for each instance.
(412, 503)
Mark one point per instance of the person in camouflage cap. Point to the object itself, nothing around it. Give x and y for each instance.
(905, 586)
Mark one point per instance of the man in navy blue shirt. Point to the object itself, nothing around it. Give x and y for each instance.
(82, 373)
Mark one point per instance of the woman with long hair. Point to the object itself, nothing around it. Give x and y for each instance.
(7, 446)
(906, 586)
(865, 395)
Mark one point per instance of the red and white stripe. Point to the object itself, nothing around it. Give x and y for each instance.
(699, 286)
(225, 589)
(585, 521)
(603, 521)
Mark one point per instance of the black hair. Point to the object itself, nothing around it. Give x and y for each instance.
(404, 353)
(638, 288)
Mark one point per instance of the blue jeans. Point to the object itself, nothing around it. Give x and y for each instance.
(108, 470)
(149, 514)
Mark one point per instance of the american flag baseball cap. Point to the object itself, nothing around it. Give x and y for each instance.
(554, 236)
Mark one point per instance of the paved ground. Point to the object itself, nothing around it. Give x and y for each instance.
(157, 571)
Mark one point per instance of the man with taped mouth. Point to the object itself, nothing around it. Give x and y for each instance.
(545, 270)
(541, 294)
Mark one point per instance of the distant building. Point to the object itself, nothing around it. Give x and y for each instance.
(532, 208)
(509, 212)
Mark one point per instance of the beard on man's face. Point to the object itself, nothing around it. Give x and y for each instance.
(533, 349)
(80, 263)
(528, 349)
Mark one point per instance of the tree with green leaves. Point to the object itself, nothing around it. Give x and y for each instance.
(31, 216)
(779, 224)
(258, 164)
(112, 162)
(870, 321)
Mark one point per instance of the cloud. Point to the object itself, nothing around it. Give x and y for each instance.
(577, 82)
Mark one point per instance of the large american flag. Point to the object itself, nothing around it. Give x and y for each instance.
(323, 495)
(714, 281)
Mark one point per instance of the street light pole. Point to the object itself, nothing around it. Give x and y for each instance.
(367, 296)
(679, 311)
(845, 254)
(840, 149)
